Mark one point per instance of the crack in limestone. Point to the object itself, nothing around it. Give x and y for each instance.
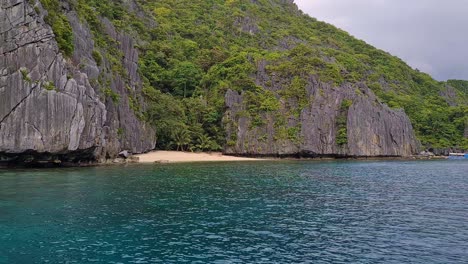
(87, 126)
(12, 5)
(9, 21)
(8, 17)
(51, 64)
(43, 40)
(18, 104)
(26, 97)
(393, 139)
(40, 133)
(71, 124)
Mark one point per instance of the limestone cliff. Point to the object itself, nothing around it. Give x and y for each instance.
(248, 77)
(345, 121)
(49, 109)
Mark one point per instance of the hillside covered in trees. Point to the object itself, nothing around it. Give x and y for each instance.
(280, 61)
(193, 51)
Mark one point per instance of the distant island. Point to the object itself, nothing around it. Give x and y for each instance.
(81, 81)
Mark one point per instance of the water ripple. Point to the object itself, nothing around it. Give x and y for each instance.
(272, 212)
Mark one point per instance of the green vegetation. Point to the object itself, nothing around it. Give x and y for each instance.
(25, 75)
(49, 86)
(460, 85)
(187, 124)
(60, 25)
(193, 51)
(120, 132)
(342, 123)
(115, 97)
(97, 57)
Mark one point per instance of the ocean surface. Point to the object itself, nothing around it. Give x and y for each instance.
(266, 212)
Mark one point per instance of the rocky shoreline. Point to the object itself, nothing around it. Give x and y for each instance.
(162, 157)
(58, 110)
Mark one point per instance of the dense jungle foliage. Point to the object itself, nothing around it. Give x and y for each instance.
(192, 51)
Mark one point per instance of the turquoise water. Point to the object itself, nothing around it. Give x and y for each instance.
(269, 212)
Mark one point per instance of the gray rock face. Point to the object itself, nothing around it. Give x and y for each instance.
(450, 95)
(124, 154)
(54, 108)
(446, 151)
(372, 129)
(47, 103)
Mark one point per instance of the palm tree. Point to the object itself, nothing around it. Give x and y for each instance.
(182, 139)
(204, 142)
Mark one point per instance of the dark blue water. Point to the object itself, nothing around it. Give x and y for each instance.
(272, 212)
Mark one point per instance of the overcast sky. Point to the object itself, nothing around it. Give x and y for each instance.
(431, 35)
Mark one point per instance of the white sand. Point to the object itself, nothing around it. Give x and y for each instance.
(177, 156)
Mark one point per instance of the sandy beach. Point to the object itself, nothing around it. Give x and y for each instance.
(177, 157)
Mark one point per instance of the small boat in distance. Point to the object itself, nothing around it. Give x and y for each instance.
(458, 156)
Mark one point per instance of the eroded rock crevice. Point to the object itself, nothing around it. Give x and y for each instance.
(47, 103)
(368, 127)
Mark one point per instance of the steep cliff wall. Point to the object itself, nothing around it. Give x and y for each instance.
(48, 107)
(285, 83)
(332, 121)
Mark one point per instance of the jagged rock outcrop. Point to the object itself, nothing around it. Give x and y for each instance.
(88, 105)
(449, 93)
(370, 127)
(48, 107)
